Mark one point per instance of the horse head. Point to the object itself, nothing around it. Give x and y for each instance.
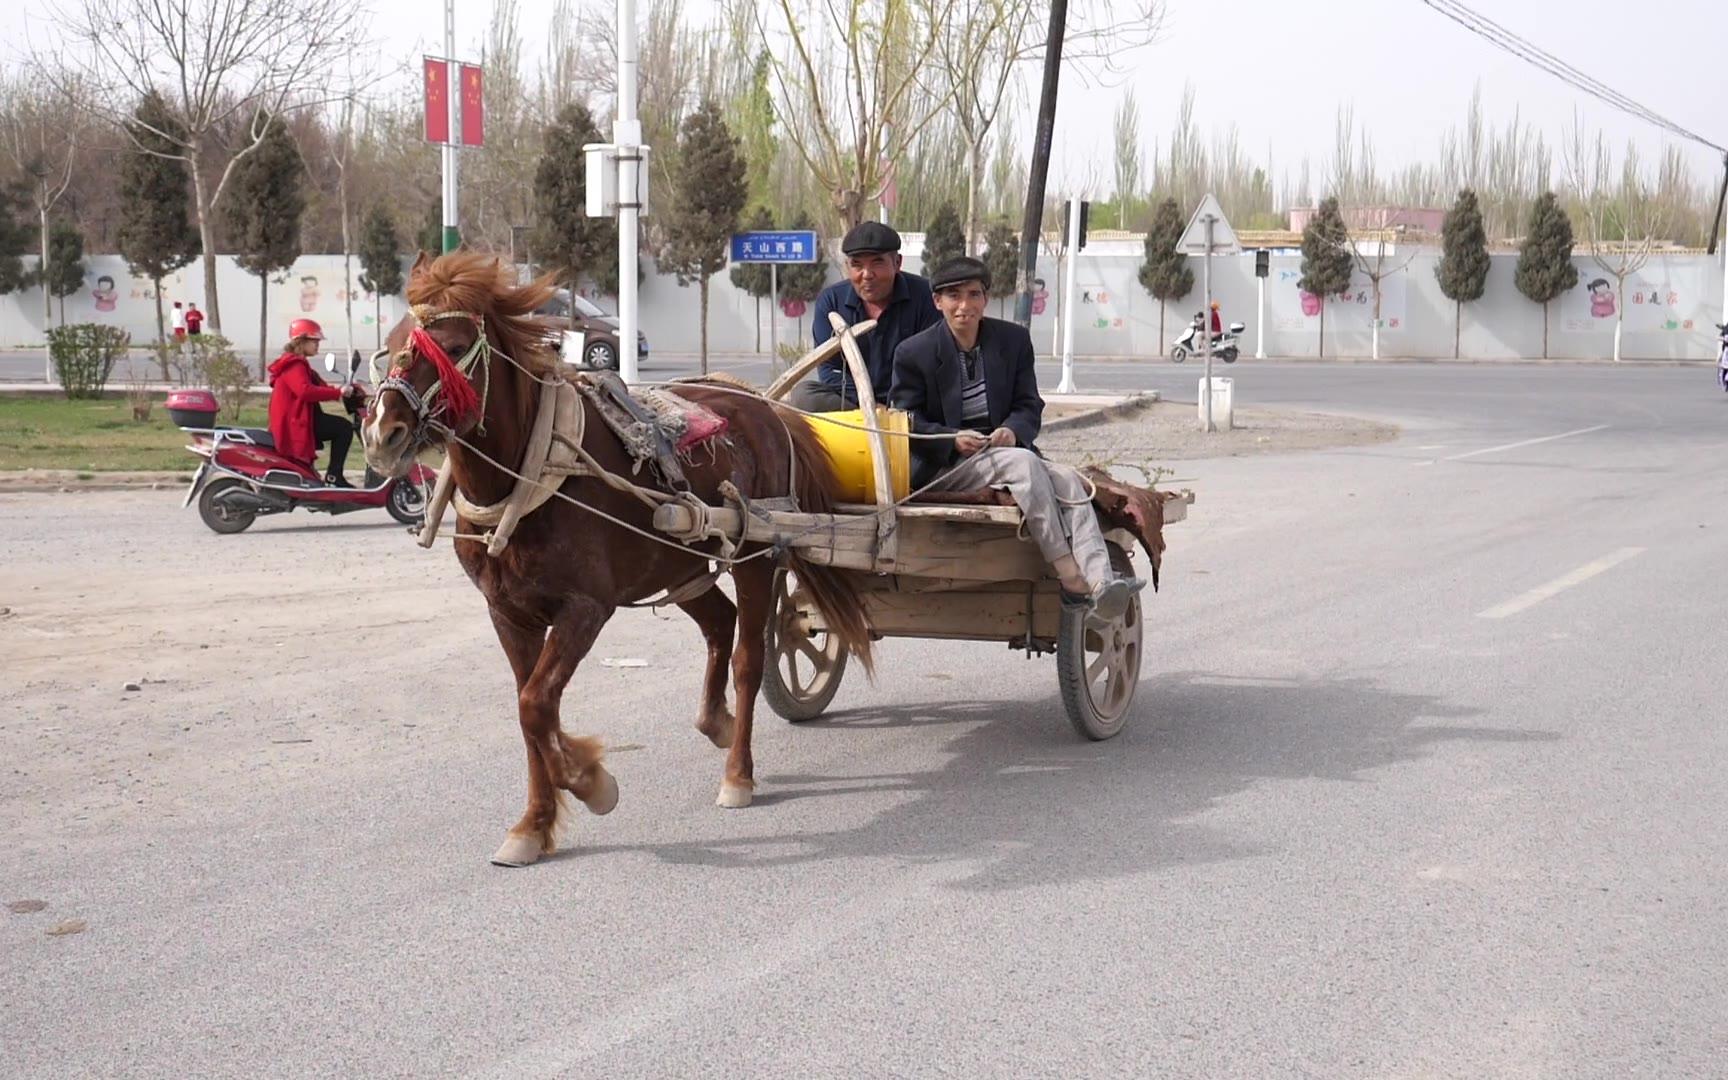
(464, 354)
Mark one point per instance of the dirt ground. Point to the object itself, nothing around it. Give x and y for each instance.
(153, 672)
(1170, 431)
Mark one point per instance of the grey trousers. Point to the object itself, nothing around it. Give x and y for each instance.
(1053, 498)
(812, 395)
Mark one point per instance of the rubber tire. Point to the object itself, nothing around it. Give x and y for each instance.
(409, 494)
(1229, 356)
(600, 356)
(1071, 664)
(1178, 354)
(225, 522)
(780, 697)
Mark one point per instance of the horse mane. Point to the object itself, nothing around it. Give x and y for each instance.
(483, 284)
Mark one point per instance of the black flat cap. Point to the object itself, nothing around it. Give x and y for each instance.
(958, 271)
(869, 236)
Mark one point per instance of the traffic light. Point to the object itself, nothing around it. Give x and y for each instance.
(1067, 212)
(1262, 263)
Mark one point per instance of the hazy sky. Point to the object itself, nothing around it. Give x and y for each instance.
(1278, 70)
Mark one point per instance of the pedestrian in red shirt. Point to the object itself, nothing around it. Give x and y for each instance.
(194, 321)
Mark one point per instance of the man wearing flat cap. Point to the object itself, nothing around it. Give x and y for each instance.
(971, 377)
(875, 288)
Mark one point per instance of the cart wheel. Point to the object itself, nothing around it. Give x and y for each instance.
(221, 518)
(803, 669)
(1098, 664)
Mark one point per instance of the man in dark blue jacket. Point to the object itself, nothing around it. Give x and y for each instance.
(971, 377)
(875, 288)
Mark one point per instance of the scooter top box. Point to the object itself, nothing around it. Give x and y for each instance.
(192, 408)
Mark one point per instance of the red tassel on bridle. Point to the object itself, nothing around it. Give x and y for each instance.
(460, 398)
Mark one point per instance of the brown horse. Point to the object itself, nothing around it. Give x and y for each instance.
(566, 570)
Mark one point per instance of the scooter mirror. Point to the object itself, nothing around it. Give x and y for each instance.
(330, 362)
(353, 362)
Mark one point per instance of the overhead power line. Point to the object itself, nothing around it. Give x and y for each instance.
(1533, 54)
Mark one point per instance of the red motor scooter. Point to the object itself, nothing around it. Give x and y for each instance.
(242, 475)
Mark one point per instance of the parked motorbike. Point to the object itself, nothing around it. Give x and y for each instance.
(1722, 355)
(243, 476)
(1224, 346)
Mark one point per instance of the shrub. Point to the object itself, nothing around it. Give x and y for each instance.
(211, 361)
(84, 355)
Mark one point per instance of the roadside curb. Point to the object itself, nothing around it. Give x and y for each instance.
(69, 481)
(1120, 409)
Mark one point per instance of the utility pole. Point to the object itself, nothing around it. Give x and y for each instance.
(452, 90)
(627, 135)
(1031, 225)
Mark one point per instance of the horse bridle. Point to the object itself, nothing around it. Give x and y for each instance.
(426, 415)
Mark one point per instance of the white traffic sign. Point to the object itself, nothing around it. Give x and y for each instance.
(1194, 237)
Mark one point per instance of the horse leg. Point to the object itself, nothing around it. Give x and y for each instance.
(556, 761)
(716, 616)
(755, 586)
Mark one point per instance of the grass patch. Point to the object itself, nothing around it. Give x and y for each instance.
(96, 436)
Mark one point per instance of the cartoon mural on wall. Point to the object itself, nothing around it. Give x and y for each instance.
(1294, 308)
(1601, 298)
(104, 294)
(1098, 309)
(1643, 304)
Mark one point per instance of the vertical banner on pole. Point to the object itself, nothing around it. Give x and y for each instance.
(437, 100)
(473, 110)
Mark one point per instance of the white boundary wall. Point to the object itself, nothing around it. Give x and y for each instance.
(1669, 308)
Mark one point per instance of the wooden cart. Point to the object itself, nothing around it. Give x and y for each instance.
(950, 572)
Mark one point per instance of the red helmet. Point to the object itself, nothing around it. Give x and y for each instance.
(300, 328)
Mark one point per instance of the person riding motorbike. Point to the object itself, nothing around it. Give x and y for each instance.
(298, 426)
(1217, 322)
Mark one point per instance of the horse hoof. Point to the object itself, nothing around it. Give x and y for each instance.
(517, 851)
(733, 796)
(605, 797)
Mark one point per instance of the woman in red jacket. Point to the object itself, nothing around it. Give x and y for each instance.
(297, 424)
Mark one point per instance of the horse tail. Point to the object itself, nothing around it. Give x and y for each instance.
(834, 591)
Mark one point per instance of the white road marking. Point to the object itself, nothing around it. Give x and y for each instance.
(1525, 601)
(1517, 445)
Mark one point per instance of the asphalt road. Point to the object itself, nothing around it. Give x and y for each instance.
(1428, 778)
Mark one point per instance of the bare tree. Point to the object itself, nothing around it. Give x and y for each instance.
(1376, 268)
(1622, 223)
(982, 42)
(40, 135)
(224, 65)
(1127, 132)
(849, 79)
(978, 48)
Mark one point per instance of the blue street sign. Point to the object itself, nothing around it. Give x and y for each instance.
(774, 247)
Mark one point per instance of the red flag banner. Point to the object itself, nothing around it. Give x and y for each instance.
(437, 100)
(473, 107)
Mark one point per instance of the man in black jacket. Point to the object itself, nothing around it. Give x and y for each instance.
(971, 377)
